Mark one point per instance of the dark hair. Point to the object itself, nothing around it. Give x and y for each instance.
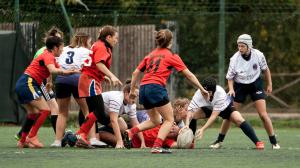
(127, 86)
(52, 32)
(163, 38)
(80, 39)
(209, 84)
(106, 31)
(53, 41)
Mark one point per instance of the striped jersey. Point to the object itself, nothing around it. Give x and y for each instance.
(246, 71)
(114, 102)
(219, 102)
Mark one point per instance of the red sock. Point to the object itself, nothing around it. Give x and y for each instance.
(23, 137)
(158, 143)
(38, 123)
(134, 131)
(88, 123)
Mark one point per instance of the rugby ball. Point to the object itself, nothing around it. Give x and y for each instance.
(185, 139)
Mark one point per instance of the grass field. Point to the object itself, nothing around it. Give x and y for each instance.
(237, 152)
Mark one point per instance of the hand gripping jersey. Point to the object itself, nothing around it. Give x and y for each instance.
(74, 58)
(219, 102)
(245, 72)
(157, 66)
(38, 67)
(113, 102)
(101, 52)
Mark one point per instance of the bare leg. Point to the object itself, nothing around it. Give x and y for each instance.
(62, 117)
(261, 109)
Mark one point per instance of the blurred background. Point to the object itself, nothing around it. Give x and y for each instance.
(205, 34)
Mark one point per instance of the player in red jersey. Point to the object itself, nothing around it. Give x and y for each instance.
(157, 67)
(28, 86)
(107, 135)
(47, 92)
(89, 86)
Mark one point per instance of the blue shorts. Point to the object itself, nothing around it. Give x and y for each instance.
(27, 89)
(153, 95)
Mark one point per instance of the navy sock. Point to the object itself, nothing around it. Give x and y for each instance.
(53, 122)
(273, 139)
(221, 137)
(249, 131)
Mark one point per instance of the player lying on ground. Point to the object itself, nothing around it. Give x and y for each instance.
(106, 134)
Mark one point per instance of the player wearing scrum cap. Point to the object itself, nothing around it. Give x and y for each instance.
(219, 104)
(244, 79)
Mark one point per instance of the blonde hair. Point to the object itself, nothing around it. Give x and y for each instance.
(80, 39)
(163, 38)
(179, 104)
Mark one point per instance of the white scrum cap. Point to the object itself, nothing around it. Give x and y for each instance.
(246, 39)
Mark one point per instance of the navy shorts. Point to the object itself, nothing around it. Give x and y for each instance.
(66, 90)
(225, 114)
(255, 90)
(27, 89)
(153, 95)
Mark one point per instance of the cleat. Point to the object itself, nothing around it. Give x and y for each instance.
(216, 145)
(34, 142)
(158, 150)
(98, 144)
(275, 146)
(56, 144)
(260, 145)
(22, 145)
(126, 139)
(82, 141)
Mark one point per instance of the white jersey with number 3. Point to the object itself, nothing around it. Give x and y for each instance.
(74, 58)
(243, 71)
(219, 102)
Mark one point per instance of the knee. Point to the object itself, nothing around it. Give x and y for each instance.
(156, 121)
(264, 116)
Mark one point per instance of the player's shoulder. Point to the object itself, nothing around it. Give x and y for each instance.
(257, 52)
(235, 56)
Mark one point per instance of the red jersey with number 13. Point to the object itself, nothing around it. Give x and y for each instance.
(100, 53)
(158, 65)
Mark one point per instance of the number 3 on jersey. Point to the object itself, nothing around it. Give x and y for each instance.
(69, 59)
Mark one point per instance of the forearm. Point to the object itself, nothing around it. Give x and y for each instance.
(134, 78)
(268, 77)
(191, 77)
(116, 129)
(188, 119)
(230, 84)
(101, 67)
(210, 120)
